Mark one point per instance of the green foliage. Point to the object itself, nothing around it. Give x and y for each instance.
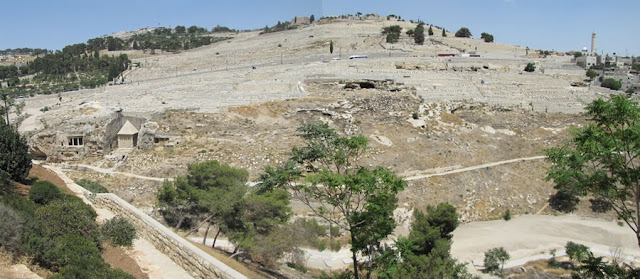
(418, 35)
(488, 38)
(70, 248)
(119, 231)
(333, 182)
(630, 91)
(331, 47)
(176, 202)
(507, 215)
(463, 33)
(576, 252)
(92, 186)
(591, 73)
(444, 33)
(11, 226)
(180, 29)
(430, 32)
(600, 159)
(612, 84)
(425, 253)
(56, 220)
(414, 115)
(43, 192)
(392, 33)
(15, 160)
(495, 258)
(530, 67)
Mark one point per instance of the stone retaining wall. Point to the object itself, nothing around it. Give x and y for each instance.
(195, 261)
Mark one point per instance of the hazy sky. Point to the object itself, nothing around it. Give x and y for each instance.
(548, 24)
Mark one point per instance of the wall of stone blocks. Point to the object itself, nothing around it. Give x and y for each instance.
(195, 261)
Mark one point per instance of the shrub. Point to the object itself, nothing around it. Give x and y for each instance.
(463, 33)
(576, 252)
(612, 84)
(92, 186)
(43, 192)
(119, 231)
(495, 258)
(69, 215)
(69, 249)
(414, 115)
(507, 215)
(530, 67)
(591, 73)
(10, 229)
(488, 38)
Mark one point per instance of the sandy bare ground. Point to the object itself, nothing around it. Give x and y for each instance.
(530, 237)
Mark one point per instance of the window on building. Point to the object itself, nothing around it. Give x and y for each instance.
(75, 141)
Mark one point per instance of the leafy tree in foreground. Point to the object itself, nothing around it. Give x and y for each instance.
(602, 158)
(591, 74)
(15, 160)
(425, 253)
(354, 198)
(463, 33)
(495, 258)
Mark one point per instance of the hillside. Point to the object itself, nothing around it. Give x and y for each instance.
(239, 101)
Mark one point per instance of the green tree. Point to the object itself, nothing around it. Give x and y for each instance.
(43, 192)
(119, 231)
(577, 54)
(192, 29)
(430, 32)
(530, 67)
(463, 33)
(488, 38)
(331, 47)
(602, 158)
(392, 33)
(612, 84)
(176, 201)
(334, 187)
(312, 18)
(418, 35)
(425, 253)
(495, 258)
(591, 74)
(15, 160)
(444, 33)
(180, 29)
(576, 252)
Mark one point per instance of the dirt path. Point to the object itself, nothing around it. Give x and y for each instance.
(487, 165)
(112, 172)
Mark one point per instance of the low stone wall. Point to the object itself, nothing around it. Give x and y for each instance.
(195, 261)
